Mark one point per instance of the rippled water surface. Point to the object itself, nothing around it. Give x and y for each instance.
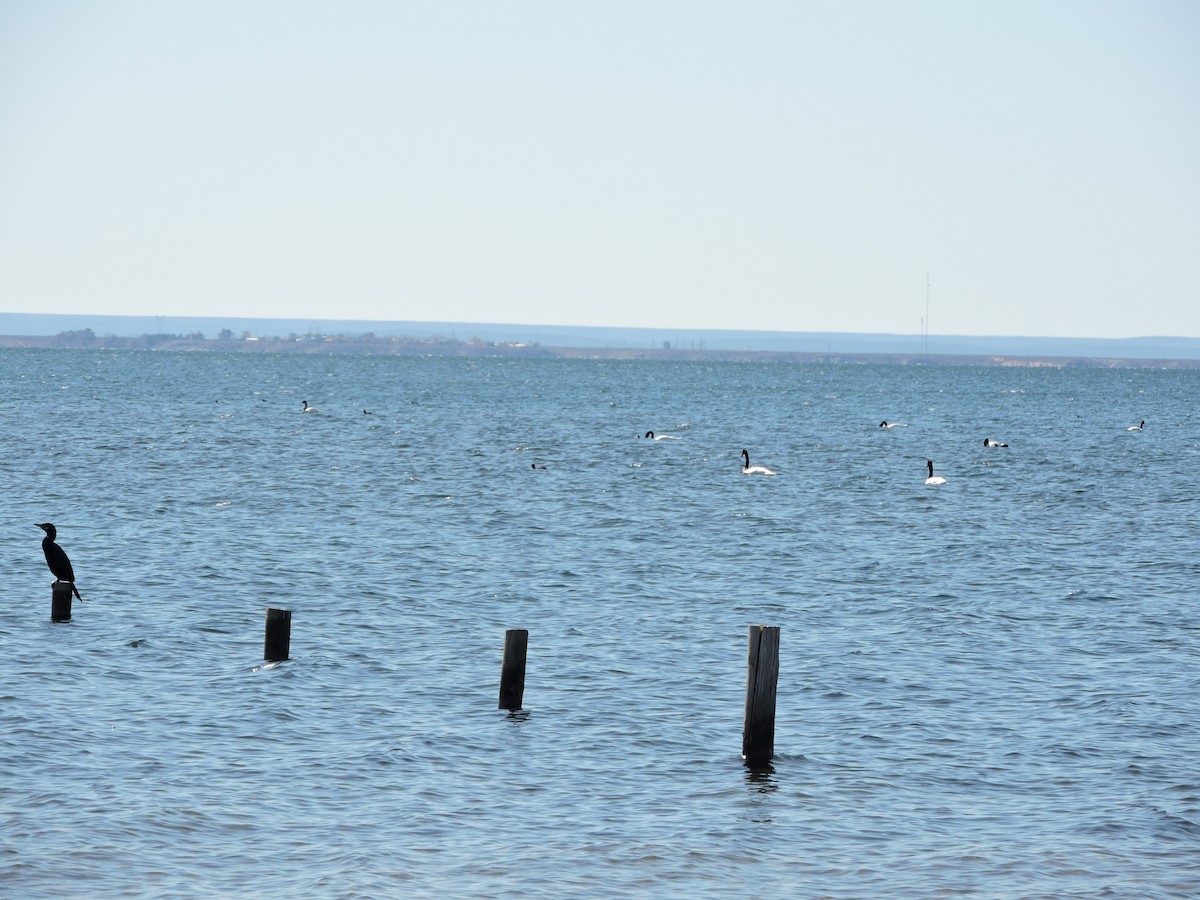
(987, 688)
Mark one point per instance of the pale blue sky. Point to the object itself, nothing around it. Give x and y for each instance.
(790, 166)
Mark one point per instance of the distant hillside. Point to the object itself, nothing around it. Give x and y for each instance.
(627, 339)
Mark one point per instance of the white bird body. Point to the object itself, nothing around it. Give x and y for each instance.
(988, 442)
(933, 479)
(886, 424)
(662, 437)
(307, 408)
(748, 469)
(1137, 427)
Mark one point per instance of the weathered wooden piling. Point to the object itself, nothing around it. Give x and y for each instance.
(512, 669)
(762, 676)
(278, 635)
(60, 601)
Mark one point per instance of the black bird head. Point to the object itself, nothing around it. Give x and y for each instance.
(51, 531)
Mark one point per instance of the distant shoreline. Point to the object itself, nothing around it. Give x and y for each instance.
(370, 344)
(145, 331)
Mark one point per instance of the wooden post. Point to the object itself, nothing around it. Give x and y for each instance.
(279, 635)
(512, 669)
(762, 675)
(60, 601)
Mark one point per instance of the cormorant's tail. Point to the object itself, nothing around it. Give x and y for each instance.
(75, 591)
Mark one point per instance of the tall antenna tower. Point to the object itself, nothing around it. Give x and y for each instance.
(925, 321)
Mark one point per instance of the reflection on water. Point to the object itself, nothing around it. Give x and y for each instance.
(762, 780)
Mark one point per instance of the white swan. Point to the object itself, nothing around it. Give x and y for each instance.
(933, 479)
(308, 408)
(748, 469)
(661, 437)
(988, 442)
(1138, 427)
(886, 424)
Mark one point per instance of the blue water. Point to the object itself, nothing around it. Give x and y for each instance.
(987, 688)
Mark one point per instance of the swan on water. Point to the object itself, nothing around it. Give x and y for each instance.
(661, 437)
(886, 424)
(308, 408)
(748, 469)
(988, 442)
(933, 479)
(1138, 427)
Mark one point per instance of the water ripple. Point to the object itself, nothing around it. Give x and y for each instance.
(985, 689)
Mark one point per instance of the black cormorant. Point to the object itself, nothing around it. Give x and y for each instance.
(56, 558)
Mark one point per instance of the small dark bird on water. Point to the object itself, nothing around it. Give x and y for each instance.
(56, 558)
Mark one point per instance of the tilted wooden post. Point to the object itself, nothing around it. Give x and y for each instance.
(60, 601)
(762, 676)
(512, 669)
(278, 635)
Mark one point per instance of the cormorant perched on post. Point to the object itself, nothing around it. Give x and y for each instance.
(56, 558)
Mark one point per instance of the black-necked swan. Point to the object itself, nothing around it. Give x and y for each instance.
(661, 437)
(1138, 427)
(886, 424)
(308, 408)
(748, 469)
(988, 442)
(933, 479)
